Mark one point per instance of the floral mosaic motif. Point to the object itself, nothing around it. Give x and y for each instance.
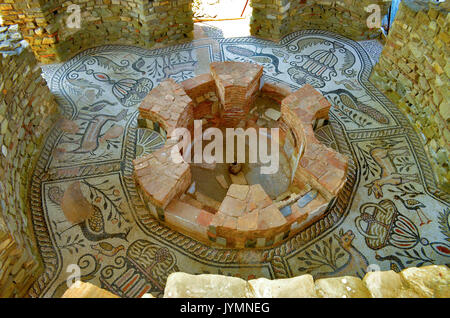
(444, 223)
(335, 256)
(320, 65)
(122, 248)
(325, 135)
(147, 141)
(128, 91)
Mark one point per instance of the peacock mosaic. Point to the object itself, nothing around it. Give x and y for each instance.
(389, 214)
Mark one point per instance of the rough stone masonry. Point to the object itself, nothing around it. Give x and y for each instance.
(27, 110)
(414, 71)
(274, 19)
(45, 26)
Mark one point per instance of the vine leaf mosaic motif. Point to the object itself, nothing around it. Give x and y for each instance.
(390, 212)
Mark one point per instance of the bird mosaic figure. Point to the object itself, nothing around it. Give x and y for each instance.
(93, 228)
(107, 249)
(258, 57)
(83, 214)
(414, 205)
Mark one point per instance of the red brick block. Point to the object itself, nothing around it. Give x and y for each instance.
(308, 103)
(168, 105)
(237, 83)
(159, 178)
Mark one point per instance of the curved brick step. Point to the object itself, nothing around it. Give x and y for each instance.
(159, 178)
(167, 106)
(320, 166)
(247, 217)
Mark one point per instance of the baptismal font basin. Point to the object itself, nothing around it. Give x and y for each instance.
(237, 201)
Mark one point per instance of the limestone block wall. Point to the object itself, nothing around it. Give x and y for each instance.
(27, 110)
(270, 18)
(414, 70)
(133, 22)
(425, 282)
(273, 19)
(18, 267)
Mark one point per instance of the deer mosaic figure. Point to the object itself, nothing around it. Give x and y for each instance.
(384, 157)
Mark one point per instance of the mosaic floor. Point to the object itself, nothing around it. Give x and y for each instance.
(390, 214)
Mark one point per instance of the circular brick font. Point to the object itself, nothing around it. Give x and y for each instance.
(233, 204)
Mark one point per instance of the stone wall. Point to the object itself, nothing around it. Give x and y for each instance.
(272, 19)
(134, 22)
(18, 268)
(425, 282)
(26, 114)
(48, 25)
(414, 70)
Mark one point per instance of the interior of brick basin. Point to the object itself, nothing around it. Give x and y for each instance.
(213, 180)
(233, 204)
